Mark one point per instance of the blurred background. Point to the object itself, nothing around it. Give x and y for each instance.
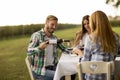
(20, 18)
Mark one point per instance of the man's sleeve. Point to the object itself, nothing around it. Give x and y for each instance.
(33, 45)
(64, 49)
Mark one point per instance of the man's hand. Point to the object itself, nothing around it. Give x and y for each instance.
(43, 45)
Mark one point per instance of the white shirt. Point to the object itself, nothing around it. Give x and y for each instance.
(82, 42)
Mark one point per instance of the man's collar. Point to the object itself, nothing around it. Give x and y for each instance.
(43, 33)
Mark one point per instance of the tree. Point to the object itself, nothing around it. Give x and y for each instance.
(115, 3)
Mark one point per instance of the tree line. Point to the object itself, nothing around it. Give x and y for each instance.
(25, 30)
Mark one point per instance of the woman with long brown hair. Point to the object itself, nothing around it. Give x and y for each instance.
(81, 36)
(102, 44)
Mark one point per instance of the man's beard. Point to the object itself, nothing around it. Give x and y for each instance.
(50, 31)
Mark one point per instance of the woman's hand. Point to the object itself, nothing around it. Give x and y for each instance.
(77, 52)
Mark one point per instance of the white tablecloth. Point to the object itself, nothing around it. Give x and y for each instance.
(66, 66)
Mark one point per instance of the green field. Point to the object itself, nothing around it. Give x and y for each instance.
(13, 53)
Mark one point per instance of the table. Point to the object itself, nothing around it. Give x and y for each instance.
(66, 65)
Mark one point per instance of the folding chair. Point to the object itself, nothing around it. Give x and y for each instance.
(29, 66)
(95, 67)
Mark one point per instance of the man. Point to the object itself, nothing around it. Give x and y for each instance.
(44, 54)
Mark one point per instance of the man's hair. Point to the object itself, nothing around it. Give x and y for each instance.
(51, 17)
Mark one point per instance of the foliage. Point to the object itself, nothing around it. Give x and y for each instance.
(115, 3)
(115, 23)
(23, 30)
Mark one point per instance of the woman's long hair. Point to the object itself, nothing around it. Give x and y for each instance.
(79, 34)
(101, 29)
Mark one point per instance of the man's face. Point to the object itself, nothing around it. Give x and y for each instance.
(51, 26)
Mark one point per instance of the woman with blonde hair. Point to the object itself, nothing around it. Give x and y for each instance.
(81, 36)
(102, 44)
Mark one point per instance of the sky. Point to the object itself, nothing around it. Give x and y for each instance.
(22, 12)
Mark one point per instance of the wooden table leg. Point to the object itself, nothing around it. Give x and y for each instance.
(67, 77)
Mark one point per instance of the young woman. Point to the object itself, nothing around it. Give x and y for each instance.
(80, 37)
(102, 44)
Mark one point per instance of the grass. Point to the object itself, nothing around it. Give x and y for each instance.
(67, 34)
(13, 53)
(12, 56)
(117, 29)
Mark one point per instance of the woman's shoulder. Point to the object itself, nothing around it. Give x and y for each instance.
(116, 36)
(89, 39)
(78, 32)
